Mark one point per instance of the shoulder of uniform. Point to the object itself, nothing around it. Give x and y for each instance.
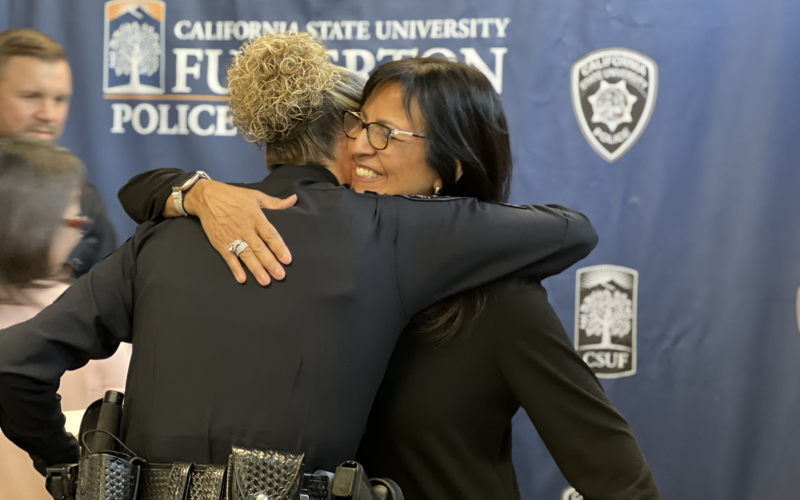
(423, 198)
(420, 197)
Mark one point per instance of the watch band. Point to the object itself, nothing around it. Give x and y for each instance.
(177, 191)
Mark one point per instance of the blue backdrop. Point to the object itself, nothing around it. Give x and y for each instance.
(704, 206)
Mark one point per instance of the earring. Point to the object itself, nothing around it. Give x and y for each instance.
(436, 190)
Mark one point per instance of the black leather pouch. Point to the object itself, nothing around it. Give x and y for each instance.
(181, 481)
(207, 482)
(104, 476)
(259, 474)
(112, 475)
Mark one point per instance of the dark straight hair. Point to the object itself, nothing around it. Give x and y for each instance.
(36, 182)
(464, 124)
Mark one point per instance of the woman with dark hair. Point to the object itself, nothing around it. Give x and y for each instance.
(464, 124)
(467, 148)
(40, 224)
(39, 221)
(441, 421)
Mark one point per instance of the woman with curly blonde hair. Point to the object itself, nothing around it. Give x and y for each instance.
(285, 95)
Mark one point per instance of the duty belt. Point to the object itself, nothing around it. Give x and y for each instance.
(110, 470)
(250, 474)
(187, 481)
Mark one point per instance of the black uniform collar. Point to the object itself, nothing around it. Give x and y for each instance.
(312, 172)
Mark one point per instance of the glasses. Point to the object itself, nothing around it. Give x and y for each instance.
(378, 134)
(79, 222)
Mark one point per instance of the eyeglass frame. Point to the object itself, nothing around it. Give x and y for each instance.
(365, 126)
(79, 222)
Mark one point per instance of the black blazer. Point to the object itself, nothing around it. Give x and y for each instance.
(294, 366)
(441, 422)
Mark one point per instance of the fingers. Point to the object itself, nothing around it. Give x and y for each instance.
(272, 238)
(272, 203)
(267, 231)
(233, 263)
(232, 214)
(259, 259)
(253, 263)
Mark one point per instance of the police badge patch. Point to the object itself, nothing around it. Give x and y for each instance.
(605, 319)
(613, 94)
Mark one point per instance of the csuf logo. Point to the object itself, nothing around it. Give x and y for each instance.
(605, 319)
(613, 94)
(569, 493)
(133, 47)
(134, 76)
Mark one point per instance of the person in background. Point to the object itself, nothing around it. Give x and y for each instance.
(40, 224)
(35, 90)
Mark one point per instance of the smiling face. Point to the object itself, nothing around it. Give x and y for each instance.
(34, 98)
(401, 167)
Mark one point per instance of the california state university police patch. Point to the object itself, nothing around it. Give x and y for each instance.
(613, 94)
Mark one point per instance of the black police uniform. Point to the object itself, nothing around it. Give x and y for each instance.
(293, 366)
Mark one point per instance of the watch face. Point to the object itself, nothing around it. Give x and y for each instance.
(188, 182)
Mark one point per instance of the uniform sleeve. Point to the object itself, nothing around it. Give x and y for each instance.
(448, 245)
(590, 441)
(87, 322)
(144, 196)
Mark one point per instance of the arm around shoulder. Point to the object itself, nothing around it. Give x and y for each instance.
(580, 238)
(448, 245)
(145, 195)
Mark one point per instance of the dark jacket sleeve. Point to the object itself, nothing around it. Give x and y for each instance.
(87, 322)
(448, 245)
(100, 240)
(144, 196)
(590, 441)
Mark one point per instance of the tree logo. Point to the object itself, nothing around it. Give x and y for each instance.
(613, 94)
(569, 493)
(134, 54)
(605, 319)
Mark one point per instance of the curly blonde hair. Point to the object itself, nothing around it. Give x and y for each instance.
(281, 87)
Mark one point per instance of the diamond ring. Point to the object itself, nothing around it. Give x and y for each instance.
(237, 246)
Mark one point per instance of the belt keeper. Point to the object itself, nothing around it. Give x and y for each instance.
(62, 481)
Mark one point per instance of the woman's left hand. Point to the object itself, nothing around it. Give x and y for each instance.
(228, 213)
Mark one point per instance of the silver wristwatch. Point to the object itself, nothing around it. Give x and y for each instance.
(177, 191)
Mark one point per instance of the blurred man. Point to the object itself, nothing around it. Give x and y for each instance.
(35, 89)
